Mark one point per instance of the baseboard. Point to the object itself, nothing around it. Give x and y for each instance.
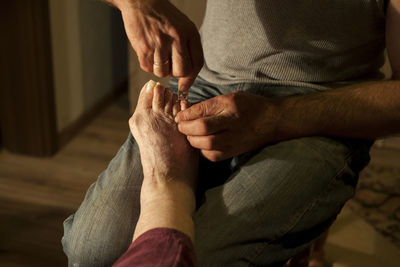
(75, 127)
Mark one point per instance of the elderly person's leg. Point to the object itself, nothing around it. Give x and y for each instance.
(169, 163)
(167, 196)
(99, 232)
(277, 202)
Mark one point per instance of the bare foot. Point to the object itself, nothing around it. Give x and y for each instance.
(165, 153)
(169, 163)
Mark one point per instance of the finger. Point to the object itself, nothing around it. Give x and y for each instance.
(196, 53)
(161, 65)
(203, 109)
(146, 61)
(181, 65)
(158, 97)
(168, 100)
(185, 83)
(204, 126)
(214, 155)
(146, 95)
(197, 60)
(209, 142)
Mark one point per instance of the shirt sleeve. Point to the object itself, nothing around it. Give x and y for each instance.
(159, 247)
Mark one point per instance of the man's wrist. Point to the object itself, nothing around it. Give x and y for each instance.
(270, 121)
(290, 118)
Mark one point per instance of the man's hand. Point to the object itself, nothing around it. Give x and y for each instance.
(229, 125)
(164, 39)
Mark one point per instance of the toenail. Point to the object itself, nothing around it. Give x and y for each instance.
(150, 85)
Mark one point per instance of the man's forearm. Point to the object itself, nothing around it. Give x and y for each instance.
(365, 110)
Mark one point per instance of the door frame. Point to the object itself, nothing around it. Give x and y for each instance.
(27, 104)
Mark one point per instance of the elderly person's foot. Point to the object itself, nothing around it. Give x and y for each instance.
(164, 151)
(169, 162)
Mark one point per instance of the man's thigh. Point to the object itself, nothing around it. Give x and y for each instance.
(102, 228)
(277, 201)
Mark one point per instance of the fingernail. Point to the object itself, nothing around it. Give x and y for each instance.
(176, 119)
(150, 85)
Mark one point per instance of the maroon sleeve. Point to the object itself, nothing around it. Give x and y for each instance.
(159, 247)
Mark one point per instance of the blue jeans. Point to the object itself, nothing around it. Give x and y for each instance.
(256, 209)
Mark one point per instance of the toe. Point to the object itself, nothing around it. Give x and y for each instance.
(146, 95)
(176, 107)
(158, 98)
(168, 101)
(184, 104)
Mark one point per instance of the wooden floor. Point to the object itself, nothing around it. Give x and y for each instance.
(37, 194)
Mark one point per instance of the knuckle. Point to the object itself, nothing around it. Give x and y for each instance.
(203, 128)
(178, 38)
(213, 156)
(173, 32)
(146, 67)
(161, 74)
(176, 71)
(202, 109)
(143, 59)
(181, 72)
(158, 40)
(210, 143)
(232, 99)
(192, 141)
(145, 49)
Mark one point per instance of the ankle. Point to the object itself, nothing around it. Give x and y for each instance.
(168, 194)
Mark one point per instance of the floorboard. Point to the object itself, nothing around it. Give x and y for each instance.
(38, 194)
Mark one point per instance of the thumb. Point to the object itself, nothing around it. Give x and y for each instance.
(200, 110)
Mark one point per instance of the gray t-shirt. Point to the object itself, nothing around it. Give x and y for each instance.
(318, 43)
